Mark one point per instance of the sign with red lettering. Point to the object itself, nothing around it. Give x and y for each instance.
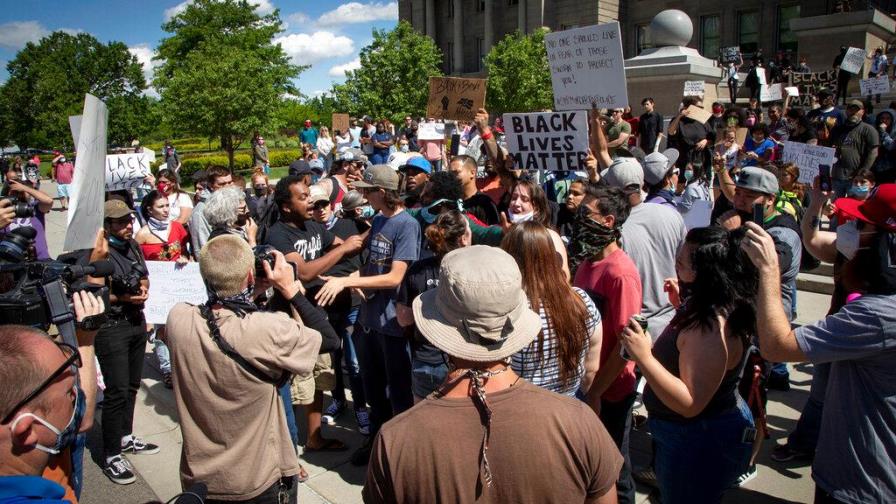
(553, 141)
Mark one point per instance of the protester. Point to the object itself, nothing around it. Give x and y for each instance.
(753, 82)
(689, 136)
(717, 120)
(475, 202)
(416, 173)
(344, 140)
(731, 74)
(758, 149)
(661, 177)
(650, 125)
(226, 212)
(216, 178)
(308, 134)
(801, 130)
(259, 198)
(569, 208)
(856, 142)
(260, 154)
(434, 151)
(792, 197)
(180, 205)
(355, 132)
(325, 148)
(172, 158)
(843, 77)
(826, 117)
(618, 133)
(63, 171)
(22, 191)
(381, 141)
(696, 189)
(700, 423)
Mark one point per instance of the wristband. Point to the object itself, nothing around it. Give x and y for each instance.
(486, 135)
(816, 222)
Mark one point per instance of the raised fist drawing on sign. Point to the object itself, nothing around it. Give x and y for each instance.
(445, 102)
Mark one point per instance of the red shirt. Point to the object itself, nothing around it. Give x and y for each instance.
(63, 172)
(169, 251)
(615, 287)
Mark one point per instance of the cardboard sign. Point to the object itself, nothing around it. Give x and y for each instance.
(807, 158)
(808, 84)
(455, 98)
(169, 284)
(340, 122)
(125, 171)
(876, 85)
(730, 54)
(740, 135)
(853, 60)
(770, 93)
(85, 213)
(699, 114)
(548, 140)
(431, 131)
(587, 67)
(694, 88)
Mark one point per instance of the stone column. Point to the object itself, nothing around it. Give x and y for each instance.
(538, 22)
(457, 59)
(488, 37)
(521, 16)
(430, 18)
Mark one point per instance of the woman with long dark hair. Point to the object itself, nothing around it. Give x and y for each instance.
(180, 206)
(565, 356)
(700, 424)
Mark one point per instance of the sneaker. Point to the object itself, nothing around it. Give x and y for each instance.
(362, 455)
(363, 419)
(784, 453)
(646, 476)
(138, 446)
(119, 471)
(747, 477)
(333, 411)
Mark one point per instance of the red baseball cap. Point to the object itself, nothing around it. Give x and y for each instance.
(879, 209)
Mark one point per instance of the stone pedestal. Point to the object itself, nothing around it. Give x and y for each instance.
(661, 72)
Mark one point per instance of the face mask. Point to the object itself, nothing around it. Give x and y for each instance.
(859, 191)
(367, 212)
(731, 121)
(848, 237)
(854, 119)
(164, 187)
(69, 433)
(688, 174)
(750, 121)
(405, 148)
(259, 190)
(117, 242)
(517, 218)
(589, 238)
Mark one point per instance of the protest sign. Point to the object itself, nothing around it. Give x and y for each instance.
(125, 171)
(85, 212)
(698, 215)
(74, 123)
(547, 140)
(340, 122)
(760, 74)
(171, 283)
(808, 85)
(874, 86)
(455, 98)
(587, 67)
(740, 135)
(853, 60)
(730, 54)
(698, 114)
(431, 131)
(807, 158)
(694, 88)
(772, 92)
(792, 91)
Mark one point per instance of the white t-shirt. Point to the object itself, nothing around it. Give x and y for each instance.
(325, 146)
(343, 143)
(176, 202)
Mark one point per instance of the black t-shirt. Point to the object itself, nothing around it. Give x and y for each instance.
(310, 241)
(482, 207)
(804, 137)
(343, 229)
(123, 260)
(421, 276)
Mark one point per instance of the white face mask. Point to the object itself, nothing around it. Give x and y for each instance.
(848, 238)
(405, 148)
(517, 218)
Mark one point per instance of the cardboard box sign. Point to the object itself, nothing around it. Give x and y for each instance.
(552, 141)
(455, 98)
(340, 122)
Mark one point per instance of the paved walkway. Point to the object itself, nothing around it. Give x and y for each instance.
(334, 480)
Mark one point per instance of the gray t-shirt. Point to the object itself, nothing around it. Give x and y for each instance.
(199, 227)
(791, 239)
(651, 237)
(856, 456)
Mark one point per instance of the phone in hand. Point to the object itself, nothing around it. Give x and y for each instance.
(455, 144)
(758, 213)
(824, 177)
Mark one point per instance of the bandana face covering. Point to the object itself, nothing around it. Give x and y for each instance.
(240, 303)
(589, 238)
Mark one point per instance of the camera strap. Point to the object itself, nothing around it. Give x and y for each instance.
(60, 312)
(229, 351)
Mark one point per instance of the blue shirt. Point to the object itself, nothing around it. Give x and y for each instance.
(381, 137)
(309, 136)
(16, 489)
(750, 146)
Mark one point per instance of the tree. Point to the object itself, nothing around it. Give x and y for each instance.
(222, 75)
(48, 80)
(519, 79)
(393, 79)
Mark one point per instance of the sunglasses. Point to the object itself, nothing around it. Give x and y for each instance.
(320, 205)
(74, 359)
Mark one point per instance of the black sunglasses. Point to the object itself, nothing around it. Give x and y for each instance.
(74, 358)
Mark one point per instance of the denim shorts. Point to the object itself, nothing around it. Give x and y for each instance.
(426, 378)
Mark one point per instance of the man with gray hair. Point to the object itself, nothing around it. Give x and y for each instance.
(216, 178)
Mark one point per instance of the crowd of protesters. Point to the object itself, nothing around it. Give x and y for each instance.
(481, 314)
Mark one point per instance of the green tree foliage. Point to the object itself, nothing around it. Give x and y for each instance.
(394, 76)
(222, 75)
(48, 80)
(292, 113)
(519, 79)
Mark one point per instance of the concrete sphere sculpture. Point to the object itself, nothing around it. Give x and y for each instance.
(671, 27)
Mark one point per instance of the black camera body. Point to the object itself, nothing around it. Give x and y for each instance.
(263, 254)
(22, 209)
(130, 283)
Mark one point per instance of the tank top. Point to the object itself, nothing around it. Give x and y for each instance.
(665, 350)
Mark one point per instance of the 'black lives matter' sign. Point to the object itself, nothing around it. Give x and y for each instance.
(809, 84)
(552, 141)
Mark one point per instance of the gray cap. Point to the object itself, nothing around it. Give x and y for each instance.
(657, 164)
(381, 175)
(624, 172)
(759, 180)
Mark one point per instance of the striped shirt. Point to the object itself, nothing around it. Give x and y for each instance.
(543, 369)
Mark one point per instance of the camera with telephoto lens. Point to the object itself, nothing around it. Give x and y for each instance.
(39, 293)
(130, 283)
(22, 209)
(265, 254)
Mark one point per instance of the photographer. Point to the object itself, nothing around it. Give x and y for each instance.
(29, 206)
(121, 341)
(48, 397)
(240, 357)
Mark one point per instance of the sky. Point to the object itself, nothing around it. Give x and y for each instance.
(326, 34)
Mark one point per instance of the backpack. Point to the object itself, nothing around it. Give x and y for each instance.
(807, 260)
(268, 215)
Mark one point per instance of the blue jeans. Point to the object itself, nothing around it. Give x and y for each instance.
(163, 355)
(805, 436)
(350, 356)
(286, 397)
(379, 158)
(426, 378)
(617, 418)
(697, 461)
(77, 453)
(386, 371)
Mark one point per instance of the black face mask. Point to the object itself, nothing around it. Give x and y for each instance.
(589, 238)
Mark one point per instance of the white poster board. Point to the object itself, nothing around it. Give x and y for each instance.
(853, 60)
(85, 212)
(874, 86)
(431, 131)
(547, 140)
(169, 284)
(807, 158)
(760, 74)
(792, 91)
(125, 171)
(773, 92)
(698, 215)
(74, 123)
(587, 67)
(694, 88)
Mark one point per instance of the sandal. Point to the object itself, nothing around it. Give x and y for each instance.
(303, 474)
(334, 445)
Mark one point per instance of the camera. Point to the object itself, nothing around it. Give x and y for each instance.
(130, 283)
(265, 254)
(22, 209)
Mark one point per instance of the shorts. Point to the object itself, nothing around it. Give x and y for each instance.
(323, 378)
(62, 190)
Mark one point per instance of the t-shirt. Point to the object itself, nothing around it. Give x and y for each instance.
(615, 287)
(541, 366)
(651, 237)
(63, 172)
(543, 447)
(37, 222)
(431, 149)
(381, 137)
(483, 208)
(854, 461)
(356, 136)
(310, 241)
(824, 122)
(199, 226)
(750, 145)
(31, 489)
(176, 203)
(421, 276)
(395, 238)
(650, 124)
(614, 132)
(309, 136)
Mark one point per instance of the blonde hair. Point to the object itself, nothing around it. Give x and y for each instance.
(224, 263)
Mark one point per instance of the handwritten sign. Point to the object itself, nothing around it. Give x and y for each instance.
(792, 91)
(340, 122)
(772, 92)
(548, 140)
(85, 213)
(455, 98)
(730, 54)
(431, 131)
(853, 60)
(126, 171)
(874, 86)
(760, 75)
(694, 88)
(587, 67)
(169, 284)
(807, 158)
(808, 85)
(698, 114)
